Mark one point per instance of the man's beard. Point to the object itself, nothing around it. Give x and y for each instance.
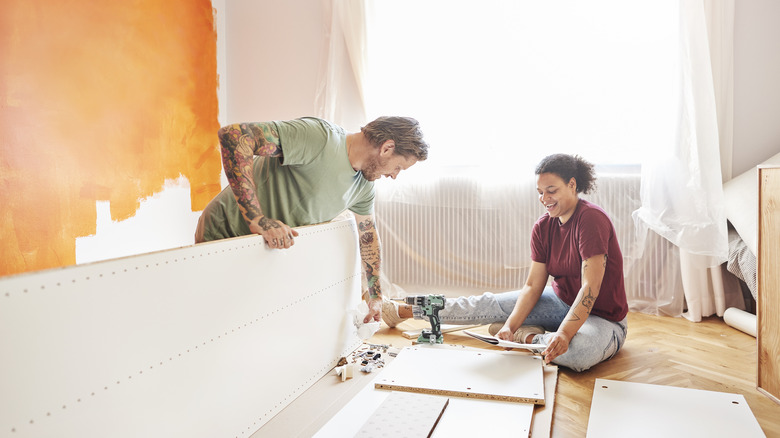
(370, 172)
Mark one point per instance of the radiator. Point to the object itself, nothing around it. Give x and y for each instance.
(459, 233)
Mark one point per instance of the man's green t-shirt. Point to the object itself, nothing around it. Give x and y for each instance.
(314, 182)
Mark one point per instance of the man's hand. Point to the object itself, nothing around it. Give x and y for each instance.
(374, 310)
(276, 233)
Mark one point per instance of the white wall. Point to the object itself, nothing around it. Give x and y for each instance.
(274, 51)
(756, 83)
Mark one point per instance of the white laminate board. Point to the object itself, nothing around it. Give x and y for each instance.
(463, 417)
(470, 417)
(485, 374)
(541, 427)
(349, 419)
(625, 409)
(207, 340)
(404, 415)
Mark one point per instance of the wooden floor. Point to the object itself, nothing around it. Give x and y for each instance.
(709, 355)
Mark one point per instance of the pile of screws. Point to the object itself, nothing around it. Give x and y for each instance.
(368, 356)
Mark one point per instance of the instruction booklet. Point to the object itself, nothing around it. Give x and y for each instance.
(502, 343)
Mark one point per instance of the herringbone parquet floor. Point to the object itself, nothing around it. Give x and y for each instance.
(708, 355)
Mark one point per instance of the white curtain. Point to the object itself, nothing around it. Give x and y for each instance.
(682, 195)
(563, 80)
(342, 89)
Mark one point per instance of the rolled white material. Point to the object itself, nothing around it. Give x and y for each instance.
(741, 320)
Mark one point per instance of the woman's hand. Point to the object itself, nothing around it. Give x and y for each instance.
(559, 344)
(506, 333)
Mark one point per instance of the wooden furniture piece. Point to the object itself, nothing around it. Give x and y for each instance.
(769, 282)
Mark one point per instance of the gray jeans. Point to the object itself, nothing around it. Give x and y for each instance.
(596, 341)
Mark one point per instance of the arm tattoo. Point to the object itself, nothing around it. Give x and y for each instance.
(266, 223)
(369, 253)
(240, 142)
(588, 300)
(266, 140)
(365, 225)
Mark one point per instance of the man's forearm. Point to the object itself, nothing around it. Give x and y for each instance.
(370, 256)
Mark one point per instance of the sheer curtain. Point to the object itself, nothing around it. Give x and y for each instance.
(343, 74)
(499, 84)
(682, 195)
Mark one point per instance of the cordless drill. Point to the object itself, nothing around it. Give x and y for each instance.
(430, 305)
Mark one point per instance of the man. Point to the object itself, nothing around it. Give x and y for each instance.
(306, 171)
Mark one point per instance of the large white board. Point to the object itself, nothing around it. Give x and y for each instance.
(202, 341)
(626, 409)
(464, 416)
(461, 372)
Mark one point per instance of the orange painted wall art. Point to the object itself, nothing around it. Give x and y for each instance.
(99, 101)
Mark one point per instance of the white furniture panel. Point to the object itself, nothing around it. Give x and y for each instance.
(624, 409)
(463, 416)
(202, 341)
(482, 374)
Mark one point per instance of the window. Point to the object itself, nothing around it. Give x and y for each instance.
(508, 82)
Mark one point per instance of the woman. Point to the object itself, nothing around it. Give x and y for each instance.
(582, 315)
